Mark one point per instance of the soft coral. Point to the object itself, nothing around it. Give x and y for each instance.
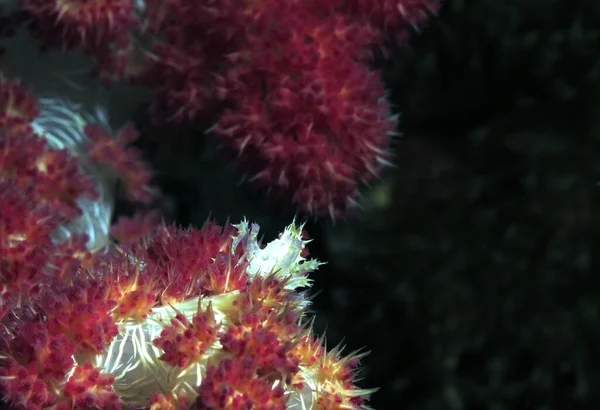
(308, 120)
(89, 25)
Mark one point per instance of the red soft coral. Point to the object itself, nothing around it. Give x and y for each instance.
(309, 121)
(23, 387)
(83, 312)
(87, 388)
(18, 107)
(91, 25)
(185, 343)
(25, 243)
(39, 189)
(194, 261)
(192, 38)
(123, 159)
(306, 118)
(233, 384)
(129, 230)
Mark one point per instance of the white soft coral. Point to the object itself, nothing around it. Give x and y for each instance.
(281, 257)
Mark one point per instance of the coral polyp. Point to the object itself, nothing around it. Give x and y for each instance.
(91, 25)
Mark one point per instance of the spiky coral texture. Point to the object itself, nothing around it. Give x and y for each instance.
(48, 189)
(305, 117)
(39, 187)
(289, 83)
(205, 318)
(94, 26)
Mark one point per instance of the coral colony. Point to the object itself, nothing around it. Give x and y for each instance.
(287, 83)
(144, 315)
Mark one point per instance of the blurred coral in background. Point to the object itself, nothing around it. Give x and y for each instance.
(290, 87)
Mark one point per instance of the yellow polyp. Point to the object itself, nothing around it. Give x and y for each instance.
(15, 239)
(162, 402)
(134, 300)
(326, 378)
(41, 164)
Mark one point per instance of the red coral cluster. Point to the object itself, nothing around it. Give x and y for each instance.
(39, 190)
(94, 26)
(184, 342)
(305, 117)
(68, 316)
(233, 385)
(125, 161)
(82, 312)
(307, 120)
(301, 110)
(239, 346)
(87, 388)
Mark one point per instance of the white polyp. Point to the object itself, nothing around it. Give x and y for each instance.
(282, 256)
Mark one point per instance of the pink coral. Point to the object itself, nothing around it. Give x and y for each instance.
(24, 388)
(110, 335)
(87, 388)
(83, 312)
(305, 118)
(309, 121)
(232, 384)
(117, 153)
(17, 105)
(90, 25)
(39, 187)
(186, 342)
(129, 230)
(296, 102)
